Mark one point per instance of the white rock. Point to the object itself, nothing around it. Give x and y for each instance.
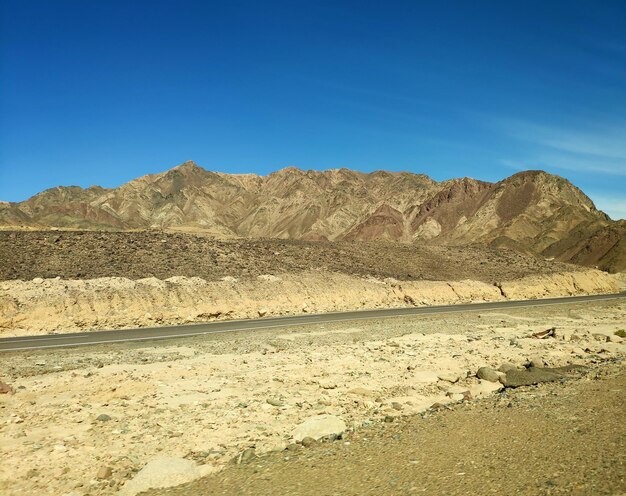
(164, 472)
(425, 376)
(319, 426)
(485, 388)
(448, 377)
(37, 280)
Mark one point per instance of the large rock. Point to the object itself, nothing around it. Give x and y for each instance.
(164, 472)
(319, 427)
(488, 374)
(530, 376)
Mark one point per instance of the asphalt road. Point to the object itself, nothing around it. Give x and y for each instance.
(169, 332)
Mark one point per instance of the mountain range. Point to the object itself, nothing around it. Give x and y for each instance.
(532, 211)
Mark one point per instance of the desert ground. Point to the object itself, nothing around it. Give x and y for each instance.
(122, 418)
(117, 419)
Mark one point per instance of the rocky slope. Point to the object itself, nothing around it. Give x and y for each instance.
(531, 211)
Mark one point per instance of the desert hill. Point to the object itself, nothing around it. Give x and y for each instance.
(532, 211)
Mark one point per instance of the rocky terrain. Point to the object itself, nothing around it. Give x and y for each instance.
(468, 448)
(532, 211)
(136, 255)
(122, 418)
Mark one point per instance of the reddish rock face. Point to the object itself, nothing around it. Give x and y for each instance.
(533, 212)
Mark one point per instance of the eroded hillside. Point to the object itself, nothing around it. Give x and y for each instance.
(532, 211)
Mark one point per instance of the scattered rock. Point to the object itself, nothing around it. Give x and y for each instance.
(388, 418)
(38, 280)
(615, 339)
(263, 312)
(602, 338)
(488, 374)
(319, 427)
(103, 417)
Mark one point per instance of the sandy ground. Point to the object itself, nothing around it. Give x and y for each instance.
(77, 412)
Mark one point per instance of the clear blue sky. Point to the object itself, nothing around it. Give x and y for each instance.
(100, 92)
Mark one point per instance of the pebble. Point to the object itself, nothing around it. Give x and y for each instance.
(275, 402)
(537, 362)
(103, 417)
(104, 472)
(308, 441)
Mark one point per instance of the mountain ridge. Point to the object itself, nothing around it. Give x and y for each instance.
(531, 211)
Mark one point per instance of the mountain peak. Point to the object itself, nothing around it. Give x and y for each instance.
(188, 166)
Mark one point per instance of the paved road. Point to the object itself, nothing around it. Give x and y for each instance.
(152, 333)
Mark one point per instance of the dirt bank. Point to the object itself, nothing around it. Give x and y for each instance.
(57, 305)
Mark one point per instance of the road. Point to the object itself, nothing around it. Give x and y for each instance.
(180, 331)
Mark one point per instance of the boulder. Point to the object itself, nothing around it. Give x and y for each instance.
(530, 376)
(319, 427)
(488, 374)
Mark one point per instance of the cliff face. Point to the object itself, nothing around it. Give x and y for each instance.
(531, 211)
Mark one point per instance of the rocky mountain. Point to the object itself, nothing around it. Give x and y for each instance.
(532, 211)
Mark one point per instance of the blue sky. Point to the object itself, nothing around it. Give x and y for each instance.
(102, 92)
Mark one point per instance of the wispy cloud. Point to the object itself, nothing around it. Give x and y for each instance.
(600, 149)
(614, 206)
